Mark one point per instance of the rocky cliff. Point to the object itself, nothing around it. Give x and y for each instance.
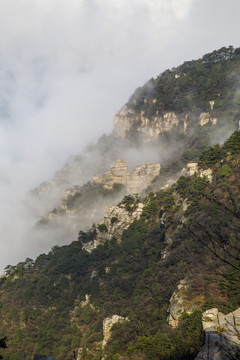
(126, 120)
(135, 181)
(172, 249)
(82, 206)
(117, 218)
(222, 335)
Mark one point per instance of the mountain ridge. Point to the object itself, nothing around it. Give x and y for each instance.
(148, 243)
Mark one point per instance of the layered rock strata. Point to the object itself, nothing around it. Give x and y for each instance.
(127, 119)
(136, 181)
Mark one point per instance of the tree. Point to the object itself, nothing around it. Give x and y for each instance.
(218, 226)
(3, 344)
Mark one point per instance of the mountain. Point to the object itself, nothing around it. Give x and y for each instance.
(142, 275)
(168, 121)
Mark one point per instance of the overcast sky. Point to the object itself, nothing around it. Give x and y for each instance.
(66, 66)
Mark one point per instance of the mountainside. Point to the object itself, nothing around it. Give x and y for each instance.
(169, 121)
(157, 243)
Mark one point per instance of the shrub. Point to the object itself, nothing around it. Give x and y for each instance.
(102, 228)
(114, 219)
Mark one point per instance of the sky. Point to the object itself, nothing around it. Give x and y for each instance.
(66, 66)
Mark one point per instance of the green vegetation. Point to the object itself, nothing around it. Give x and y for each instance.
(114, 219)
(192, 85)
(132, 278)
(192, 188)
(130, 202)
(102, 228)
(182, 343)
(188, 231)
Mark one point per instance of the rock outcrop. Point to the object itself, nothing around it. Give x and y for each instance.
(117, 219)
(222, 335)
(180, 303)
(193, 169)
(205, 117)
(127, 119)
(107, 327)
(99, 347)
(136, 181)
(117, 175)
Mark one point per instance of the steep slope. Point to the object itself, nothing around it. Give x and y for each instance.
(169, 120)
(134, 286)
(130, 280)
(197, 92)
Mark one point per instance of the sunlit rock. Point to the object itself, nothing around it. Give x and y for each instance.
(127, 119)
(136, 181)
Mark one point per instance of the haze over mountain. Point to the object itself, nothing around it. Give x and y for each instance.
(146, 275)
(65, 69)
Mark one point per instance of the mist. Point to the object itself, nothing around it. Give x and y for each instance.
(67, 67)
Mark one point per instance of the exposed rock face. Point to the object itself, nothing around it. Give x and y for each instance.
(193, 169)
(107, 326)
(99, 346)
(222, 335)
(205, 118)
(126, 119)
(123, 121)
(180, 303)
(177, 301)
(135, 181)
(117, 175)
(207, 173)
(211, 103)
(117, 219)
(63, 203)
(141, 177)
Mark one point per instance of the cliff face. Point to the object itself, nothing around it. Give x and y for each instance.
(116, 219)
(127, 119)
(132, 261)
(136, 181)
(81, 206)
(221, 335)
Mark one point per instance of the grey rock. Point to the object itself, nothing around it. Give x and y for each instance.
(222, 336)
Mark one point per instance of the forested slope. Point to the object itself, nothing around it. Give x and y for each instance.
(141, 294)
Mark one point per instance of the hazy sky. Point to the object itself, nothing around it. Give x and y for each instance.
(66, 66)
